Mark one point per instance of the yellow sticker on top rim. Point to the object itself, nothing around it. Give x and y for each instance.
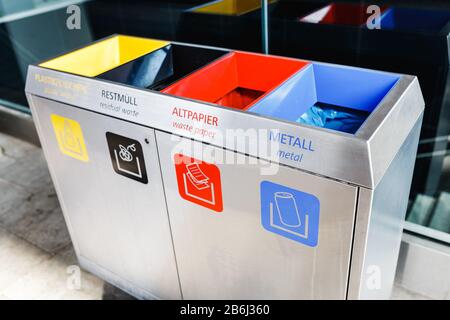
(70, 137)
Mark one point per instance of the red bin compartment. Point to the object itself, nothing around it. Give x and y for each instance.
(237, 80)
(341, 13)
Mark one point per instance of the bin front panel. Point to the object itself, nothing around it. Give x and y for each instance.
(242, 235)
(111, 193)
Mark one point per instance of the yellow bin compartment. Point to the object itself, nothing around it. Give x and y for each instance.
(229, 7)
(104, 55)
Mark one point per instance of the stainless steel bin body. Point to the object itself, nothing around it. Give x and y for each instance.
(157, 240)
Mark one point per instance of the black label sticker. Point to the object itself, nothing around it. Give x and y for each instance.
(127, 157)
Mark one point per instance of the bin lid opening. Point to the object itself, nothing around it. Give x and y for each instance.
(239, 97)
(329, 96)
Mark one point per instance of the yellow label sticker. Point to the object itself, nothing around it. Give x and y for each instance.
(70, 137)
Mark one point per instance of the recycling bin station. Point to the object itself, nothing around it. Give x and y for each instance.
(162, 203)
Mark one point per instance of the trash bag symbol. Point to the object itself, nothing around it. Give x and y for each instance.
(125, 153)
(127, 157)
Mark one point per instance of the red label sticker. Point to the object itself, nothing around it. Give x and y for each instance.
(199, 182)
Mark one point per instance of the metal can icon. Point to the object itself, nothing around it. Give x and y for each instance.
(287, 209)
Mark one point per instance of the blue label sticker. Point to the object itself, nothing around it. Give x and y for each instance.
(290, 213)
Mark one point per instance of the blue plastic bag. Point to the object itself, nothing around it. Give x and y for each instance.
(333, 117)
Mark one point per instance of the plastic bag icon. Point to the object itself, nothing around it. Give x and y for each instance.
(69, 137)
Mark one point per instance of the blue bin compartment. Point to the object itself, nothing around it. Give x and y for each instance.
(415, 20)
(349, 90)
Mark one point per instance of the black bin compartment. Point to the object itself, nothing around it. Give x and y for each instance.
(158, 69)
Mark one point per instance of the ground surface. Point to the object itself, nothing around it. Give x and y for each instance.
(36, 255)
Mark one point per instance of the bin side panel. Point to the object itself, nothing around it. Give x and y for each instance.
(230, 250)
(395, 117)
(379, 225)
(119, 225)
